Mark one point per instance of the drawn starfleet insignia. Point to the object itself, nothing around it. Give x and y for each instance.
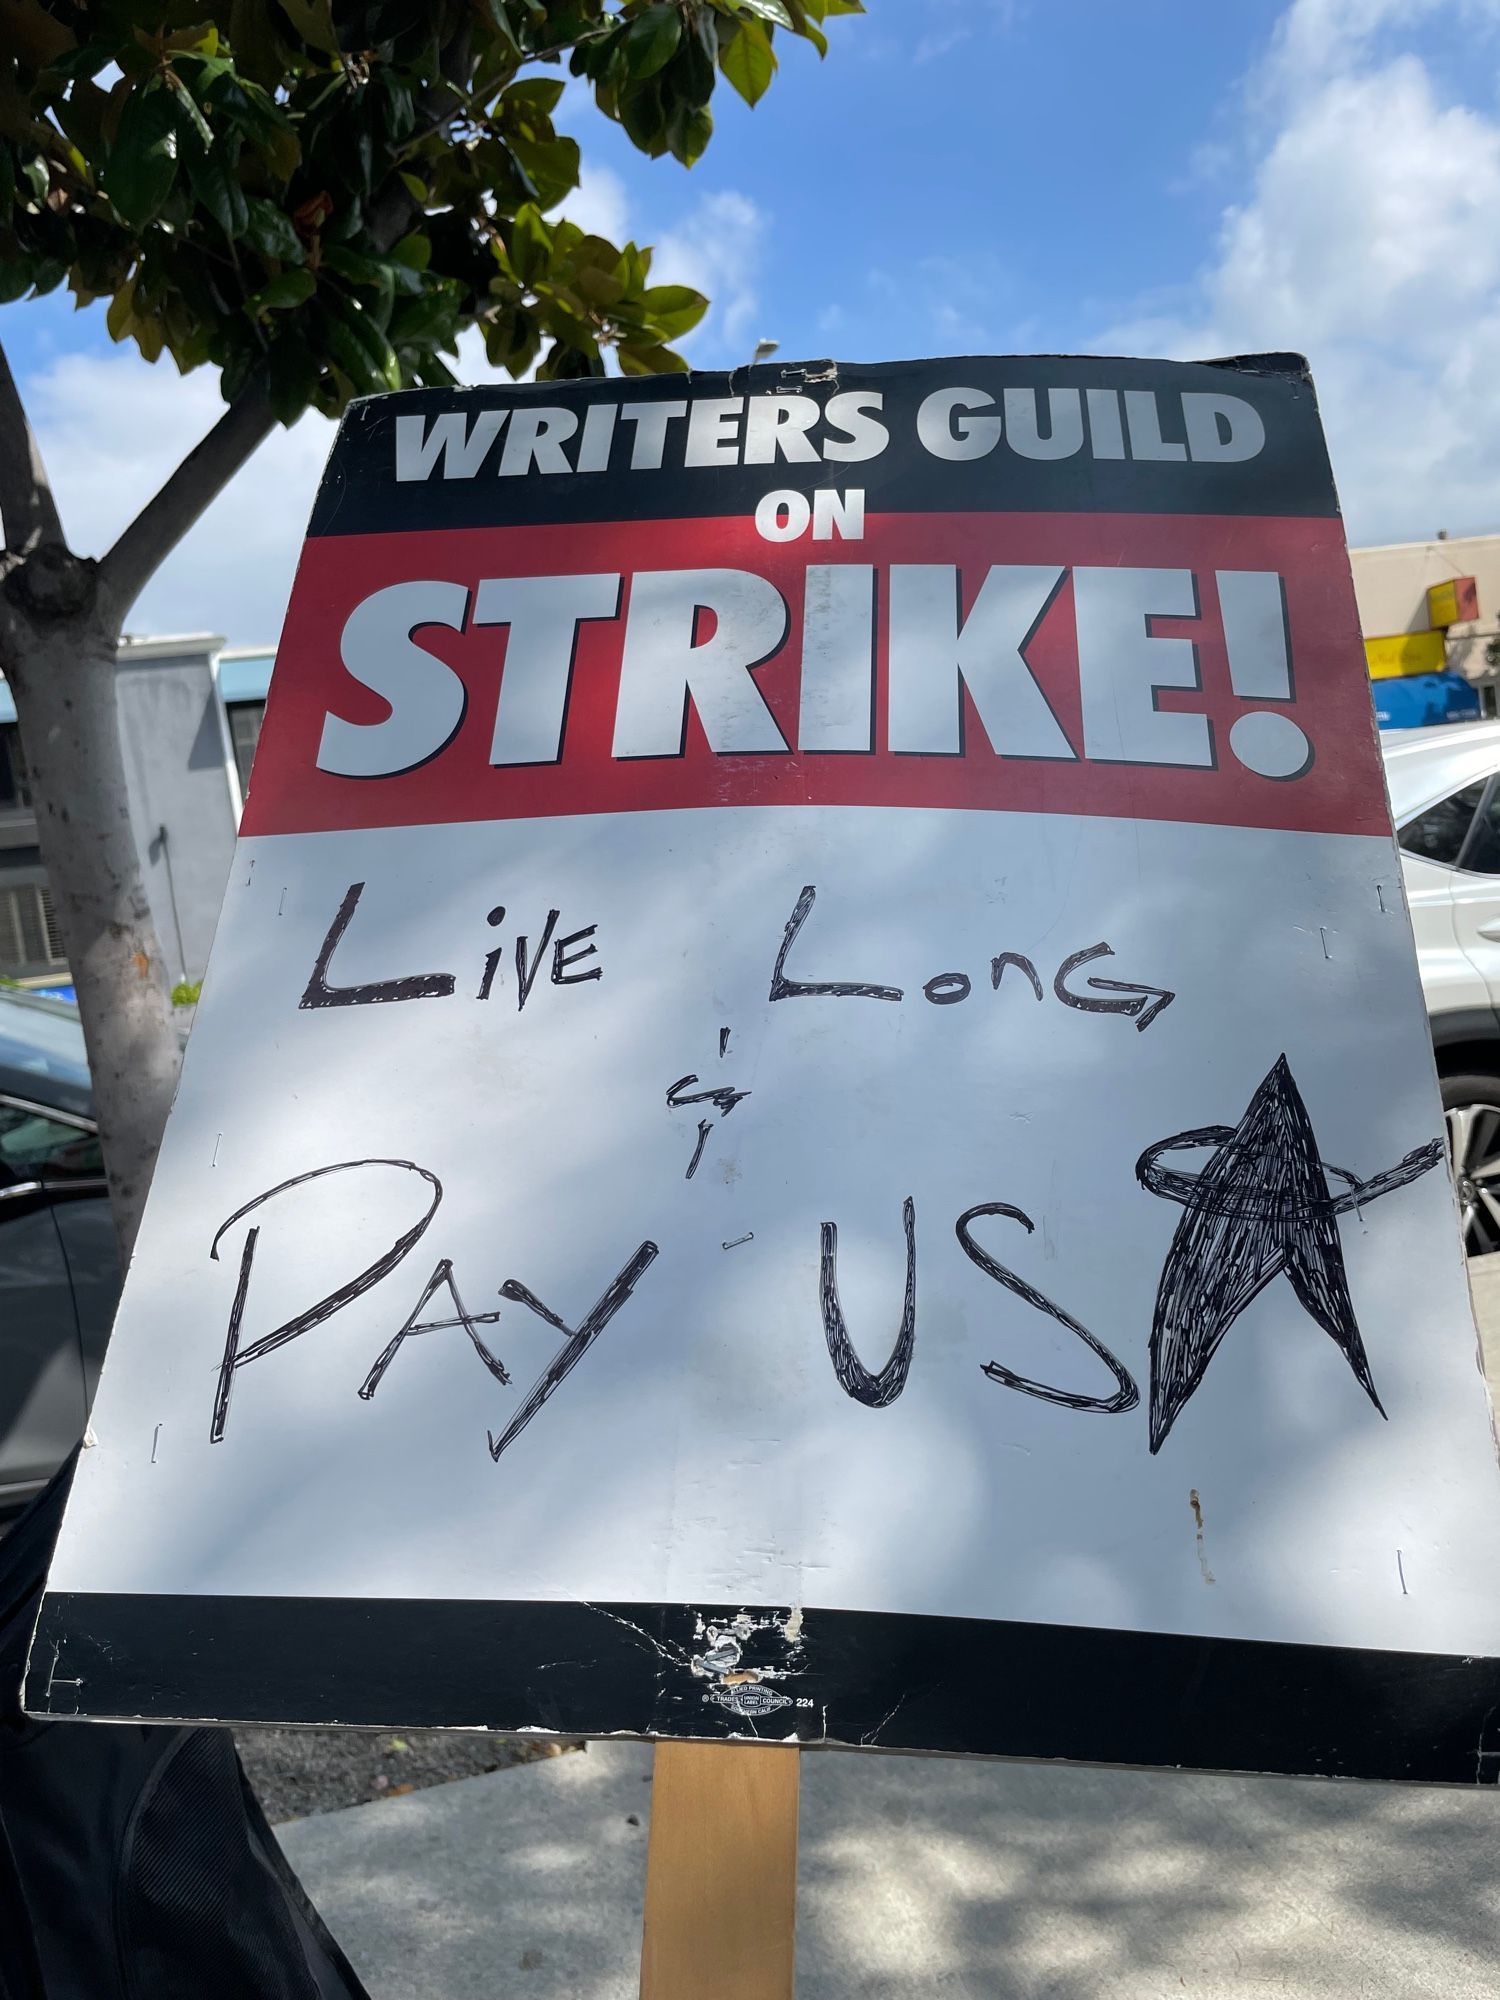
(1261, 1206)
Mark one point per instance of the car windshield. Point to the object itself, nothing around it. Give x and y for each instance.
(43, 1038)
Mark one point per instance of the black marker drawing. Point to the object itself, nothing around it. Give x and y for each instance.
(1126, 1395)
(1021, 963)
(577, 1343)
(414, 1324)
(528, 968)
(723, 1100)
(236, 1357)
(723, 1042)
(783, 988)
(492, 958)
(874, 1391)
(1143, 1003)
(319, 993)
(945, 989)
(1261, 1206)
(563, 956)
(705, 1126)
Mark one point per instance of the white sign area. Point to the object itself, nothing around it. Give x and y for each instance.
(850, 1069)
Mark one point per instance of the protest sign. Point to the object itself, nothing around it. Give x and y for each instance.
(812, 1115)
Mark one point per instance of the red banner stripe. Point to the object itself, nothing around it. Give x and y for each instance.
(1342, 791)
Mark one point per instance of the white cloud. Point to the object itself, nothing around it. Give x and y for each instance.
(1367, 241)
(599, 204)
(111, 429)
(717, 249)
(939, 43)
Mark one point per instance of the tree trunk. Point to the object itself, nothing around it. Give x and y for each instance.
(61, 668)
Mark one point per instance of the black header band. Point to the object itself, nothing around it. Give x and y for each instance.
(1119, 436)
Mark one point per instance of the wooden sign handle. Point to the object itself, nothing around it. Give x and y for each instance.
(721, 1873)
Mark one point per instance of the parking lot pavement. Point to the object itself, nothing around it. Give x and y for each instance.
(936, 1879)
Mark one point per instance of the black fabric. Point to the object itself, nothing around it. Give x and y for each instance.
(135, 1863)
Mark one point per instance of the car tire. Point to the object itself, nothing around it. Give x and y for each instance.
(1471, 1112)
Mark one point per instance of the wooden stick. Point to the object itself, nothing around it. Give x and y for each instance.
(721, 1873)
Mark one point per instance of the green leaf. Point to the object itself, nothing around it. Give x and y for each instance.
(269, 230)
(415, 186)
(551, 166)
(415, 251)
(749, 62)
(651, 361)
(765, 10)
(651, 39)
(689, 129)
(385, 274)
(691, 76)
(142, 164)
(117, 319)
(202, 40)
(643, 117)
(806, 27)
(353, 358)
(34, 173)
(187, 104)
(832, 7)
(293, 377)
(214, 181)
(540, 93)
(291, 288)
(313, 20)
(530, 244)
(674, 309)
(424, 322)
(258, 49)
(378, 350)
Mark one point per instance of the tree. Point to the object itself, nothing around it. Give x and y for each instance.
(314, 197)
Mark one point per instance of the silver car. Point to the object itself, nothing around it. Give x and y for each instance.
(1445, 799)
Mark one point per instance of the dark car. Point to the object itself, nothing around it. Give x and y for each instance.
(59, 1271)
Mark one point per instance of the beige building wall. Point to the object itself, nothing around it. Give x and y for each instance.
(1391, 583)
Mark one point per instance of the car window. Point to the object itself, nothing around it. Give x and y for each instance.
(47, 1040)
(1438, 834)
(35, 1147)
(1482, 854)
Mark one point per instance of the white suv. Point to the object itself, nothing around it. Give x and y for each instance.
(1445, 800)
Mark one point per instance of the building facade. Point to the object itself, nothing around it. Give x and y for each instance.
(189, 718)
(1392, 585)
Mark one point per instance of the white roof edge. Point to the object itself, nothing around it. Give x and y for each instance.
(1431, 542)
(164, 645)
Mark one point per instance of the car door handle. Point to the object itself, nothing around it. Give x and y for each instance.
(18, 1188)
(1491, 930)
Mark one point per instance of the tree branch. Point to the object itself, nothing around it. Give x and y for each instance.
(27, 508)
(201, 477)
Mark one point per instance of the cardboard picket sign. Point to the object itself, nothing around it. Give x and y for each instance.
(812, 1116)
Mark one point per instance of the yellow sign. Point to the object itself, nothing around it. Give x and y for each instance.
(1406, 653)
(1442, 604)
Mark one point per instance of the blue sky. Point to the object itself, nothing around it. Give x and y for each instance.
(1002, 176)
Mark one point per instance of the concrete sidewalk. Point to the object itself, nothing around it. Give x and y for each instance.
(929, 1879)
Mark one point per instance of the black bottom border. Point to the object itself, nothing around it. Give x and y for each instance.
(852, 1678)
